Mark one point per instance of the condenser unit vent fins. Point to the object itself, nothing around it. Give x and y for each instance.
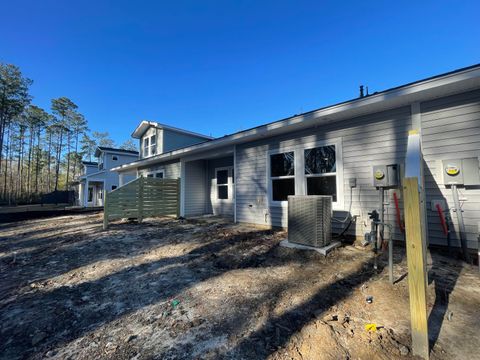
(310, 220)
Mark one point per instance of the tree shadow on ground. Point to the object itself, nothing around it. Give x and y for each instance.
(67, 312)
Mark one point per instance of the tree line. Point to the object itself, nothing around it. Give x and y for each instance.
(41, 151)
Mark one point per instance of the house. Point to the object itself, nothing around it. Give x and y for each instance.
(98, 177)
(249, 174)
(154, 139)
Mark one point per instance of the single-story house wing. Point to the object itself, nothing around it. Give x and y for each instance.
(249, 174)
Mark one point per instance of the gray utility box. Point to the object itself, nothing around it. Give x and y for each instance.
(386, 176)
(310, 220)
(461, 172)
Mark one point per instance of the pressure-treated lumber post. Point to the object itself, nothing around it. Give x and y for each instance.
(140, 199)
(105, 212)
(417, 275)
(178, 197)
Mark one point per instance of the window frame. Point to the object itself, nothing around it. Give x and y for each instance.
(155, 172)
(229, 184)
(270, 178)
(148, 146)
(299, 166)
(307, 176)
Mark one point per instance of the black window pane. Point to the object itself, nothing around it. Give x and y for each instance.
(159, 175)
(222, 191)
(324, 185)
(320, 160)
(282, 164)
(149, 175)
(153, 139)
(281, 188)
(222, 177)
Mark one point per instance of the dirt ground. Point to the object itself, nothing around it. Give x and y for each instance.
(209, 289)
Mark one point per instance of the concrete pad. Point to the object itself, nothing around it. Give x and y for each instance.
(323, 250)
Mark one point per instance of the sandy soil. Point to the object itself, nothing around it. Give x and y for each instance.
(209, 289)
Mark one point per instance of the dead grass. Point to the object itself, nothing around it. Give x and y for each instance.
(209, 289)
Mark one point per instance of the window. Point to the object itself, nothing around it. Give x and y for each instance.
(313, 168)
(149, 145)
(155, 174)
(114, 158)
(320, 171)
(222, 184)
(90, 194)
(100, 163)
(282, 175)
(114, 187)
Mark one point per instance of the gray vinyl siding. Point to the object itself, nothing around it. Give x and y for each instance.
(374, 139)
(451, 130)
(195, 188)
(171, 169)
(173, 140)
(213, 207)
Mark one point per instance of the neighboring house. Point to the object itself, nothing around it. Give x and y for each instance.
(97, 176)
(249, 174)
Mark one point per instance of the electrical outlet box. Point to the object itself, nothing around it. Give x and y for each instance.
(386, 176)
(461, 172)
(352, 182)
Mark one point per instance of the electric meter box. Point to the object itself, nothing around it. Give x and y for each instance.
(461, 172)
(386, 176)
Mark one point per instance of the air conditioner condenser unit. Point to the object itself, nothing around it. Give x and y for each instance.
(310, 220)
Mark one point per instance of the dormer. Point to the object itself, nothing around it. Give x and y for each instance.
(155, 138)
(110, 157)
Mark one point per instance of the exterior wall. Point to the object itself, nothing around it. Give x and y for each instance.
(365, 141)
(213, 206)
(173, 140)
(195, 188)
(109, 163)
(451, 130)
(90, 169)
(171, 170)
(168, 140)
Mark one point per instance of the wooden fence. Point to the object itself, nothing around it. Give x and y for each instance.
(141, 198)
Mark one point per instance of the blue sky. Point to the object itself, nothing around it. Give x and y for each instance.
(217, 67)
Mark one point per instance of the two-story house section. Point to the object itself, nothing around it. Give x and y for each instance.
(98, 178)
(155, 138)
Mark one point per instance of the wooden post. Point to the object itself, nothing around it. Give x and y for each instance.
(105, 212)
(417, 275)
(178, 197)
(140, 199)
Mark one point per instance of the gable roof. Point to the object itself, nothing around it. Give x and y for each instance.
(454, 82)
(144, 125)
(101, 149)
